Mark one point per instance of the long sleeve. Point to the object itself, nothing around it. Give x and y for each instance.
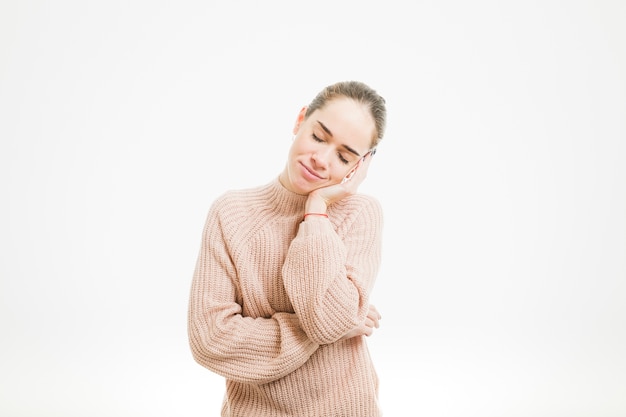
(272, 295)
(241, 348)
(329, 273)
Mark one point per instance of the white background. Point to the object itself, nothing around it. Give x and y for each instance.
(502, 176)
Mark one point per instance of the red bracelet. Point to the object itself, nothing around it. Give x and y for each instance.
(315, 214)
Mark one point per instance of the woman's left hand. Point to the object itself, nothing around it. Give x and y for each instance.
(367, 327)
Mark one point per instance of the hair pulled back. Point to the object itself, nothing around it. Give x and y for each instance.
(359, 92)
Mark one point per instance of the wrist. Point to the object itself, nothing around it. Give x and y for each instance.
(307, 214)
(315, 204)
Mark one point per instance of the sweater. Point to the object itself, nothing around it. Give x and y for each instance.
(272, 295)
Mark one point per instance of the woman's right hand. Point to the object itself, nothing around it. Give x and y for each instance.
(367, 327)
(321, 198)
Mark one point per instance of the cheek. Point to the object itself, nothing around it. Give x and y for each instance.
(339, 173)
(298, 146)
(294, 150)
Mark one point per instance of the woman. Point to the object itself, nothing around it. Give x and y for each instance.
(279, 301)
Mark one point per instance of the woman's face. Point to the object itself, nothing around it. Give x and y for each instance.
(327, 145)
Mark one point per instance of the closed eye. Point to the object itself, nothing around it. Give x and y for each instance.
(339, 154)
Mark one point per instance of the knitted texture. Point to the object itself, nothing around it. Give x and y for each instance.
(272, 295)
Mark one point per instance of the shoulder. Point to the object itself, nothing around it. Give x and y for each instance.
(233, 206)
(240, 198)
(360, 202)
(358, 206)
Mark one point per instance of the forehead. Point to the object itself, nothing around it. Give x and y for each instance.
(349, 121)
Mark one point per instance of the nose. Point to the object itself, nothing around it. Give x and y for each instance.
(321, 157)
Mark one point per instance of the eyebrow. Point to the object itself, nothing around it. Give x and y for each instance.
(327, 130)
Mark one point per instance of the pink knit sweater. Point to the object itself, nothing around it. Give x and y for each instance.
(272, 295)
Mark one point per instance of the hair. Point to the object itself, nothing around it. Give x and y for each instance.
(359, 92)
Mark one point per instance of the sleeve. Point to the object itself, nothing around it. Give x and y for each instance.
(243, 349)
(328, 277)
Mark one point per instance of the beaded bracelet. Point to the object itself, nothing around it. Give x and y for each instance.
(315, 214)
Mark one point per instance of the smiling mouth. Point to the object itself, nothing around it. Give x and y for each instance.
(311, 172)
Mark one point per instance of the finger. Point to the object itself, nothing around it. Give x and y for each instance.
(374, 311)
(363, 164)
(371, 321)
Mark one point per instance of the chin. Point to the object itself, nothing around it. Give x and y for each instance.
(299, 186)
(304, 190)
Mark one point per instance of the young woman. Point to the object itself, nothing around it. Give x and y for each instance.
(279, 301)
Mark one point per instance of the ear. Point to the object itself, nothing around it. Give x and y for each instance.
(299, 120)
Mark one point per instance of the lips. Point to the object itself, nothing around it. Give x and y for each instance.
(310, 173)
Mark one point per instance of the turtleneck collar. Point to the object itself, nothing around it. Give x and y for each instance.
(283, 200)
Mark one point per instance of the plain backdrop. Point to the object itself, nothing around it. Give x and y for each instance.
(502, 176)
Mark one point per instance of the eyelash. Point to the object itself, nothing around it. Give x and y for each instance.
(341, 158)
